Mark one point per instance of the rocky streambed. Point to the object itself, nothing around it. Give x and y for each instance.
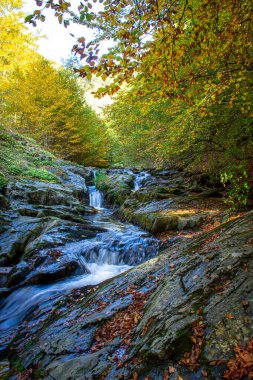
(87, 295)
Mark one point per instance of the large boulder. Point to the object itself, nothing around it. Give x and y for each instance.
(41, 217)
(116, 184)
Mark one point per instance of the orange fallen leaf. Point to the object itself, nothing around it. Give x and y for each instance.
(217, 362)
(229, 316)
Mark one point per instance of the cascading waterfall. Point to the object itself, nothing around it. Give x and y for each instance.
(139, 179)
(104, 256)
(96, 197)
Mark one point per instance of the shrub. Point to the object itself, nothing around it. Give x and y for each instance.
(236, 180)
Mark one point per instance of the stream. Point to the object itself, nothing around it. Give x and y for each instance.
(110, 253)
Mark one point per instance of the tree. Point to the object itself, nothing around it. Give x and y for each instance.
(16, 46)
(49, 106)
(42, 101)
(169, 45)
(189, 61)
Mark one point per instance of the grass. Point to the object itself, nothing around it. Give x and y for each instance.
(41, 174)
(22, 158)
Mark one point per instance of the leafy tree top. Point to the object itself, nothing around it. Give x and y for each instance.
(169, 44)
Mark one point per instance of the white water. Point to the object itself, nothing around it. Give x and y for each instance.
(139, 179)
(104, 256)
(20, 302)
(96, 197)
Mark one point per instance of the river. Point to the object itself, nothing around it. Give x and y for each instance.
(110, 253)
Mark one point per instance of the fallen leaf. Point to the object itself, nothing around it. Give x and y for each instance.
(217, 362)
(245, 303)
(229, 316)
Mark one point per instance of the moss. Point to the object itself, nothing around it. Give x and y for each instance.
(3, 181)
(41, 174)
(38, 374)
(23, 158)
(15, 169)
(102, 180)
(203, 360)
(17, 365)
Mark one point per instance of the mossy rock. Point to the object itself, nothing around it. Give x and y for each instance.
(3, 201)
(3, 181)
(41, 174)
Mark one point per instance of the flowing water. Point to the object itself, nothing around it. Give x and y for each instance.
(139, 179)
(96, 196)
(106, 255)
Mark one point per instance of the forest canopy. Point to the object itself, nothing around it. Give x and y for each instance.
(41, 100)
(180, 73)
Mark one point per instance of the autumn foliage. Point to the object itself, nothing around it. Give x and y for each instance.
(242, 365)
(42, 101)
(123, 323)
(182, 72)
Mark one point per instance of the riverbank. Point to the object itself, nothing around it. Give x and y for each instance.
(88, 295)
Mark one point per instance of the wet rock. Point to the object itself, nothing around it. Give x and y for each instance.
(208, 277)
(41, 193)
(116, 185)
(14, 240)
(60, 269)
(74, 178)
(3, 201)
(18, 274)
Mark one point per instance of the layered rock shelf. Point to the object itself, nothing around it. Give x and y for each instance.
(182, 297)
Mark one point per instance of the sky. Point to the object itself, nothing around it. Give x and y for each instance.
(57, 42)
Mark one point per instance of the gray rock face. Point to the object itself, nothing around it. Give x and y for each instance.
(117, 185)
(140, 322)
(166, 203)
(41, 193)
(42, 216)
(204, 280)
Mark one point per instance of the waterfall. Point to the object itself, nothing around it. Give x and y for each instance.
(108, 254)
(96, 197)
(102, 257)
(139, 179)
